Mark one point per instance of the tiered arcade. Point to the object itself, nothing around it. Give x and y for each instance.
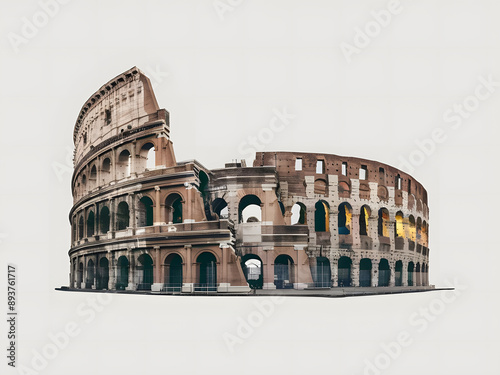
(143, 221)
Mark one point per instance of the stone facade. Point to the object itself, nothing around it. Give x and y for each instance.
(143, 221)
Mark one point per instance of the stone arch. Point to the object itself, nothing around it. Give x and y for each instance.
(299, 214)
(249, 209)
(252, 266)
(174, 208)
(345, 218)
(322, 216)
(284, 272)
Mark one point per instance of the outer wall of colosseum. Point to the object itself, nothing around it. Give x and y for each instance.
(141, 220)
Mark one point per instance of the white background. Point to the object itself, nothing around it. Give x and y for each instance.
(225, 77)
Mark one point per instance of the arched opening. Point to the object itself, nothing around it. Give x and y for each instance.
(399, 228)
(411, 267)
(173, 273)
(122, 216)
(93, 177)
(425, 274)
(398, 274)
(219, 207)
(74, 228)
(173, 207)
(148, 154)
(80, 228)
(425, 227)
(122, 273)
(321, 187)
(283, 272)
(90, 224)
(383, 221)
(384, 272)
(364, 217)
(90, 274)
(252, 269)
(80, 275)
(145, 272)
(106, 170)
(344, 271)
(103, 273)
(418, 282)
(419, 231)
(145, 212)
(323, 274)
(365, 272)
(123, 167)
(412, 232)
(299, 214)
(249, 209)
(104, 220)
(345, 218)
(207, 272)
(321, 217)
(84, 184)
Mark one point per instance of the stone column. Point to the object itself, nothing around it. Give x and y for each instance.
(132, 284)
(355, 273)
(157, 216)
(112, 271)
(269, 270)
(112, 215)
(131, 204)
(133, 158)
(157, 283)
(113, 167)
(356, 239)
(392, 280)
(404, 274)
(373, 231)
(334, 269)
(374, 274)
(187, 285)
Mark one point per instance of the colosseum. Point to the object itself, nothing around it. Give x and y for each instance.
(142, 221)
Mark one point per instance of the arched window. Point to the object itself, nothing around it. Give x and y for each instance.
(103, 274)
(123, 270)
(383, 220)
(122, 216)
(104, 220)
(249, 209)
(145, 212)
(151, 158)
(400, 232)
(80, 228)
(299, 214)
(419, 230)
(283, 272)
(344, 271)
(207, 271)
(345, 218)
(106, 170)
(173, 207)
(90, 224)
(90, 274)
(93, 177)
(321, 217)
(411, 267)
(322, 274)
(412, 228)
(252, 269)
(173, 273)
(384, 272)
(124, 164)
(321, 187)
(364, 216)
(84, 185)
(219, 207)
(398, 275)
(365, 272)
(145, 272)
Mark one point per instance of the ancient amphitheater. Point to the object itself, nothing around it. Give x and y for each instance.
(142, 221)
